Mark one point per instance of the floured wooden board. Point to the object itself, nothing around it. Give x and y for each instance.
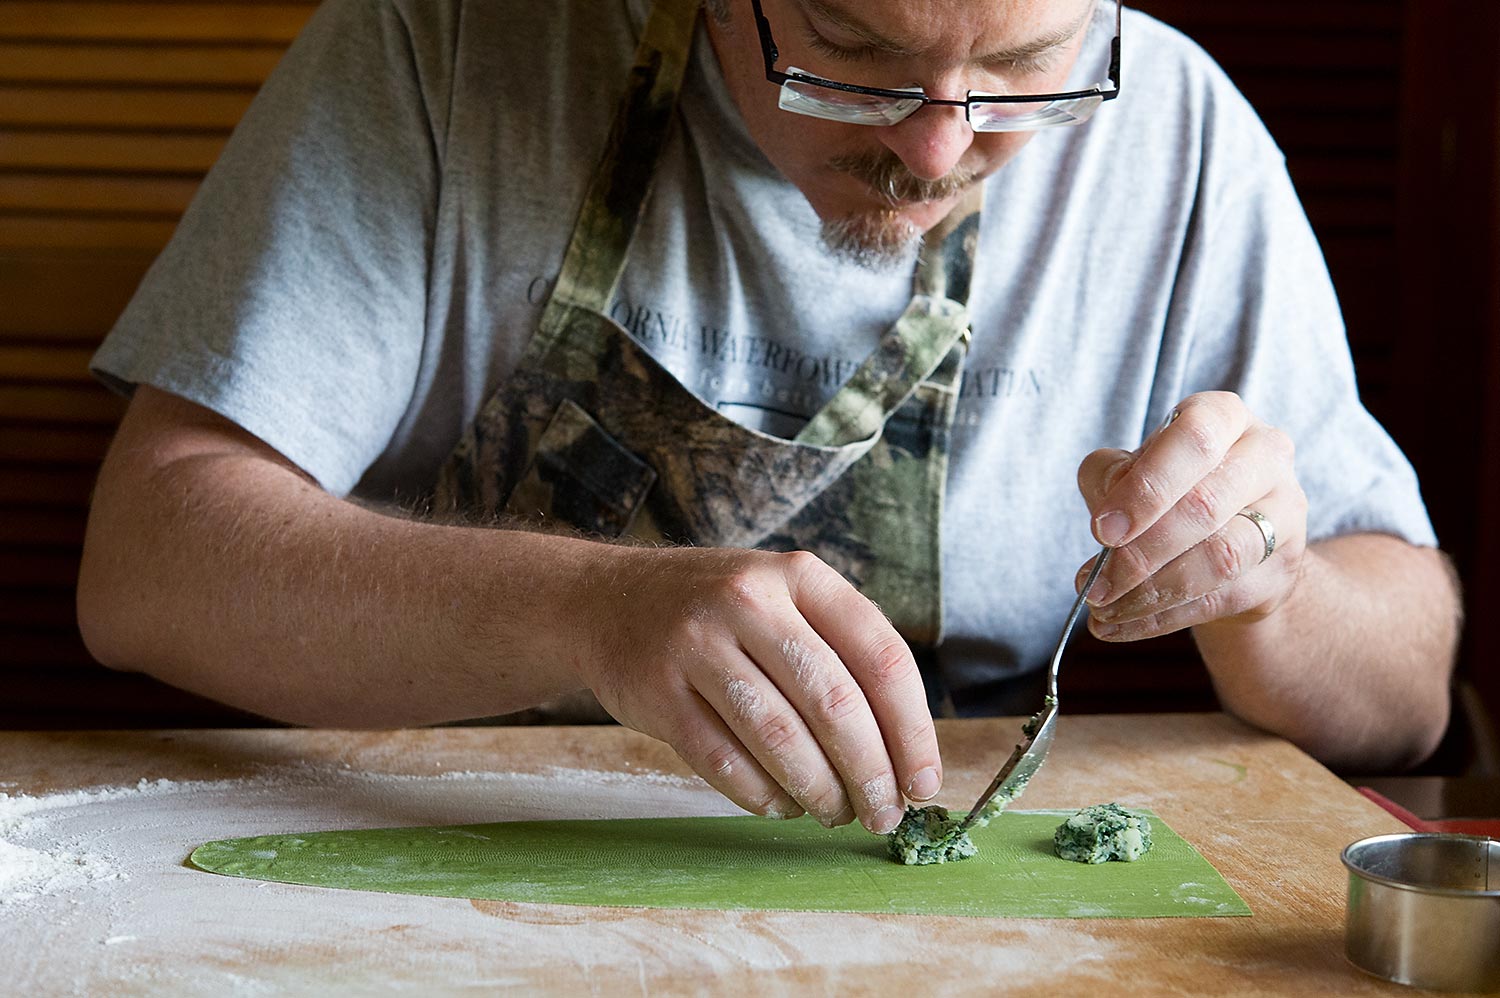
(127, 807)
(736, 863)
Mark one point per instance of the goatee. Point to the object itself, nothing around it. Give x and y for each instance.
(881, 239)
(875, 240)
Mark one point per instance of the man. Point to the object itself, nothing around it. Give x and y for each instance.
(380, 297)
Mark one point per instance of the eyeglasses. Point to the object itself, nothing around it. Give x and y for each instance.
(804, 93)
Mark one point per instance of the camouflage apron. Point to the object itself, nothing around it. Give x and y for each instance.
(590, 431)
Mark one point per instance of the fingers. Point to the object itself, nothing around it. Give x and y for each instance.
(707, 744)
(831, 702)
(1225, 574)
(881, 664)
(1249, 472)
(780, 684)
(834, 707)
(1169, 464)
(779, 739)
(1182, 555)
(833, 775)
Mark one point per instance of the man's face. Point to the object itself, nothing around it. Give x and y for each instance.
(880, 187)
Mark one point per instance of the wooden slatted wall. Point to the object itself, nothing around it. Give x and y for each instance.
(110, 113)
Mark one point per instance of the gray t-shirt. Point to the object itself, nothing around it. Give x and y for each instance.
(368, 259)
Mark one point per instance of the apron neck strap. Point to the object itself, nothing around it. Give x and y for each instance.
(621, 183)
(934, 327)
(945, 268)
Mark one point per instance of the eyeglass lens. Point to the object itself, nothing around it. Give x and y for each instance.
(829, 103)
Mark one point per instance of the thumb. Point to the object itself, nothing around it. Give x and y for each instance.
(1099, 473)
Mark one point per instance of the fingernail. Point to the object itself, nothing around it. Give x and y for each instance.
(1111, 528)
(887, 818)
(1099, 595)
(1106, 631)
(925, 785)
(1116, 471)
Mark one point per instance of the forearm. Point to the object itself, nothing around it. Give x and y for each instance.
(1354, 665)
(236, 578)
(214, 564)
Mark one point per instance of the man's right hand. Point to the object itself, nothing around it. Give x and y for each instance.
(772, 676)
(215, 564)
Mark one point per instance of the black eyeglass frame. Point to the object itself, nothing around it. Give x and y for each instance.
(770, 54)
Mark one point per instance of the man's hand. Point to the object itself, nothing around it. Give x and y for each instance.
(1183, 556)
(770, 675)
(1285, 638)
(214, 564)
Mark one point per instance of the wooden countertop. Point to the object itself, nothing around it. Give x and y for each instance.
(1266, 815)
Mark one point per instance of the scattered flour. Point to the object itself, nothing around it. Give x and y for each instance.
(744, 700)
(877, 788)
(61, 864)
(25, 873)
(802, 660)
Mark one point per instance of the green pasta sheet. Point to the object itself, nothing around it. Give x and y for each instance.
(736, 863)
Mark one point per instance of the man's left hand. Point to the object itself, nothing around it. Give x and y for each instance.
(1170, 509)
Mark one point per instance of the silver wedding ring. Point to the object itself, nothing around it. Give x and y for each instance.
(1267, 532)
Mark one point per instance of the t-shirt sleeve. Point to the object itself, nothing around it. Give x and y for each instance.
(1266, 324)
(291, 298)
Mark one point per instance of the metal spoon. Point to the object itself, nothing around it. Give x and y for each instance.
(1032, 752)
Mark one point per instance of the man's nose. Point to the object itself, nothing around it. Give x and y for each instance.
(931, 141)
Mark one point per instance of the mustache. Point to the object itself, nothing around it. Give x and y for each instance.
(885, 174)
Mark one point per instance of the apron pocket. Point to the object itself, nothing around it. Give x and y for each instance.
(581, 476)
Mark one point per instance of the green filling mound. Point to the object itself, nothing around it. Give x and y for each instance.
(1101, 833)
(928, 835)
